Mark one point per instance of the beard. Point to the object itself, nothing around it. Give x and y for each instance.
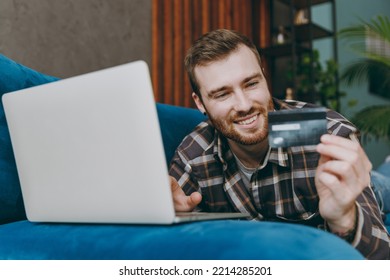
(227, 129)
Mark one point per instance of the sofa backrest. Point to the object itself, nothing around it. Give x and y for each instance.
(175, 123)
(13, 76)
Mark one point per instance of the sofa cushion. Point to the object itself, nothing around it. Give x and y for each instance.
(13, 76)
(216, 240)
(175, 123)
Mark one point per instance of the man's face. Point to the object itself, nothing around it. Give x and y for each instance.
(235, 96)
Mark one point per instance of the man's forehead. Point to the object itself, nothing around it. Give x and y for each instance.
(228, 71)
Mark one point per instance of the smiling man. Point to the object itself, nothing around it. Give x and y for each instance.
(236, 100)
(226, 163)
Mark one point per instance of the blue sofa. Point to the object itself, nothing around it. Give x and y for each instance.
(225, 239)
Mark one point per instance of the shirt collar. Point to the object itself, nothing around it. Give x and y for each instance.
(222, 152)
(280, 156)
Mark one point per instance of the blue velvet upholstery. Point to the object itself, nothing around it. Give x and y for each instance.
(174, 126)
(13, 76)
(201, 240)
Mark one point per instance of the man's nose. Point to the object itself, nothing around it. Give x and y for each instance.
(242, 101)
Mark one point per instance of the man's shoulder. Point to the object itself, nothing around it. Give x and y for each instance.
(337, 123)
(292, 104)
(340, 125)
(199, 141)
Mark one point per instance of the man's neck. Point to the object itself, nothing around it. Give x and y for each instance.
(250, 155)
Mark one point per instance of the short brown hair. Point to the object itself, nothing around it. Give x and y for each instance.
(214, 46)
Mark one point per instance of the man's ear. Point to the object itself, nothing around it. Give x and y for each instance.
(199, 103)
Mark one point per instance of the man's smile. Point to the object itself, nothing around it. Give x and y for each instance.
(248, 120)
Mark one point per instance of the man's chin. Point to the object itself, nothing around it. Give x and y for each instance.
(247, 137)
(248, 140)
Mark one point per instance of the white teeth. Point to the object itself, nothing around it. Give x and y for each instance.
(248, 121)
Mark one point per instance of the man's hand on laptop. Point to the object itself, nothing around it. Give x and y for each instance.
(181, 201)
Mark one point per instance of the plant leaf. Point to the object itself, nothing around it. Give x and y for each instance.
(374, 120)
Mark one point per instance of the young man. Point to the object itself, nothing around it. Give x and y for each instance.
(226, 163)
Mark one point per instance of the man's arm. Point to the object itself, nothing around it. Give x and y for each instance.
(185, 192)
(346, 202)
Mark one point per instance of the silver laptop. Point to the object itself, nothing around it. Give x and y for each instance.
(88, 149)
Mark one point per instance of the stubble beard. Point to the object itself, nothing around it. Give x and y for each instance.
(227, 129)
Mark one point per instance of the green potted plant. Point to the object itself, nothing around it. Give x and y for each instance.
(312, 76)
(371, 40)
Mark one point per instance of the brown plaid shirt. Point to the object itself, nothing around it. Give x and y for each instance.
(283, 190)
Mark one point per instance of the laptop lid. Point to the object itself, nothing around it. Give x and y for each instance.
(89, 149)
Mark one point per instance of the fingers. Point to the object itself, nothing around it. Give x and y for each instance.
(342, 162)
(342, 174)
(323, 159)
(350, 155)
(182, 202)
(174, 184)
(344, 149)
(347, 171)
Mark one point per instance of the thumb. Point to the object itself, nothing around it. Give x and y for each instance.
(194, 199)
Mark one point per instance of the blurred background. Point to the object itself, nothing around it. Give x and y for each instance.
(331, 52)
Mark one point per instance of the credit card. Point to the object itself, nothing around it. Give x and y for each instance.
(297, 127)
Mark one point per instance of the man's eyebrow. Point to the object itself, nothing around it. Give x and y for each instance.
(256, 75)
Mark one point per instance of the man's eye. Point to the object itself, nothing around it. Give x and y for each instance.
(221, 94)
(252, 84)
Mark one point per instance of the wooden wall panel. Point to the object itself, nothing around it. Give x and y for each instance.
(177, 23)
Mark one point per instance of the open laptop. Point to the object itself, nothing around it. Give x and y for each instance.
(88, 149)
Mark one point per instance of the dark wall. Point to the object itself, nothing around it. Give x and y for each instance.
(66, 38)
